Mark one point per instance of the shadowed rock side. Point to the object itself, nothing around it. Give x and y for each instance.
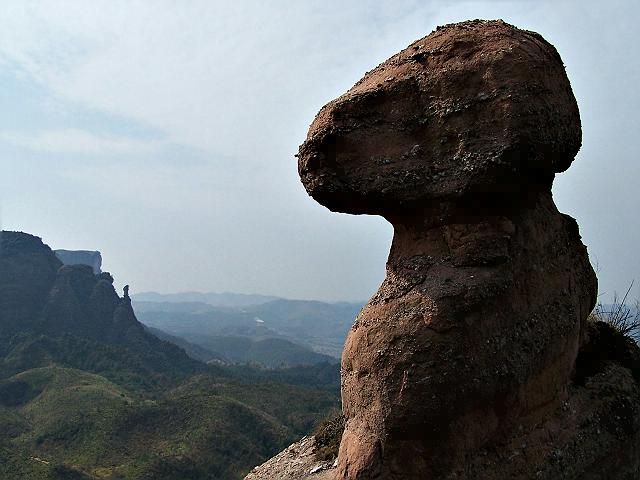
(41, 294)
(473, 336)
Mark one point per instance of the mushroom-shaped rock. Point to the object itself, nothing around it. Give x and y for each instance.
(475, 330)
(474, 108)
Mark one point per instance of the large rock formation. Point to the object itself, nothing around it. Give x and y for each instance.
(472, 338)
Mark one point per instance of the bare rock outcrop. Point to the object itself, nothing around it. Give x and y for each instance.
(473, 336)
(297, 462)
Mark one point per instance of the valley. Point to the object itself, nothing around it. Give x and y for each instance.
(88, 392)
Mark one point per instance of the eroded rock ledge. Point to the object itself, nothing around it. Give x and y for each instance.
(297, 462)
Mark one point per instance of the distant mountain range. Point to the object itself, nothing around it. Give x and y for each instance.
(288, 331)
(88, 392)
(233, 300)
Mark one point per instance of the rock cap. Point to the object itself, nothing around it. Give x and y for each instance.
(478, 107)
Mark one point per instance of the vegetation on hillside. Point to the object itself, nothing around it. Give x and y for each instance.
(612, 336)
(268, 352)
(328, 434)
(63, 423)
(622, 317)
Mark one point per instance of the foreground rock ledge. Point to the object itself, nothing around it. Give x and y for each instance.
(461, 365)
(297, 462)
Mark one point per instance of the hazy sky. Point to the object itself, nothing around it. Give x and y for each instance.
(162, 133)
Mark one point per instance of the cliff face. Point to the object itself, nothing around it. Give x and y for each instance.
(54, 298)
(41, 299)
(28, 270)
(470, 343)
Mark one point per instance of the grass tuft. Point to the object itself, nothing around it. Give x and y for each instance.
(328, 434)
(623, 318)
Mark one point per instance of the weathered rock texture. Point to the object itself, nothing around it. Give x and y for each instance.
(474, 333)
(297, 462)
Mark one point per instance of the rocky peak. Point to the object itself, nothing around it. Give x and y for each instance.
(40, 294)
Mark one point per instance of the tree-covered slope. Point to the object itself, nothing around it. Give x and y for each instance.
(269, 352)
(204, 429)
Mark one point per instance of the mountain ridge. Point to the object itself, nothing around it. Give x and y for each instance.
(318, 326)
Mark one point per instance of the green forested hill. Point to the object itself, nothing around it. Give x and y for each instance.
(269, 352)
(55, 417)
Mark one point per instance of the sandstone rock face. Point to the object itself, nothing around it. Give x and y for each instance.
(474, 333)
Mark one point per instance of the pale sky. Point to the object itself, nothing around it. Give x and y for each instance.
(162, 133)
